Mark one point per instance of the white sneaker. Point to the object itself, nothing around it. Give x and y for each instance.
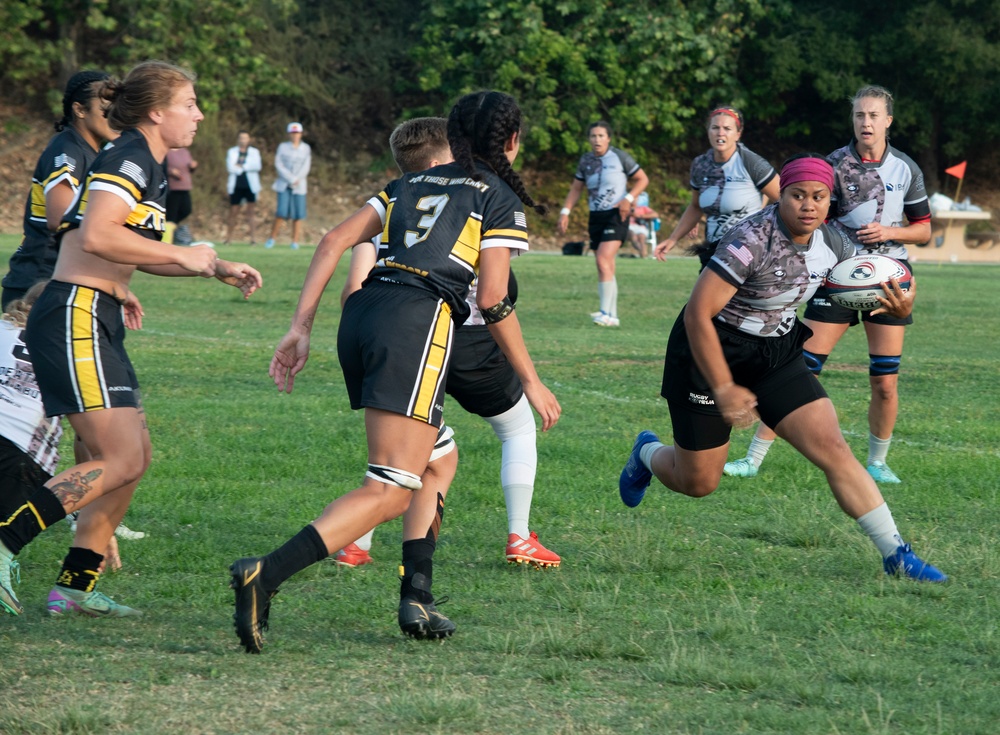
(122, 532)
(606, 320)
(595, 314)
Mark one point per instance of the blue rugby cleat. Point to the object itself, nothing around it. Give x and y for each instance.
(904, 563)
(635, 477)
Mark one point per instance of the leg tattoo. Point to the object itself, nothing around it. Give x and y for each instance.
(70, 492)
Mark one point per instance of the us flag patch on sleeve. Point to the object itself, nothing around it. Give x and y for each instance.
(520, 220)
(741, 253)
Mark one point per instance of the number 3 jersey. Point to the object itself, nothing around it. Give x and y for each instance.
(436, 223)
(127, 169)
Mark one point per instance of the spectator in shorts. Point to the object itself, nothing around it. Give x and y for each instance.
(292, 161)
(180, 166)
(243, 162)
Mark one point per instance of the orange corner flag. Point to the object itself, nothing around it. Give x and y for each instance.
(957, 171)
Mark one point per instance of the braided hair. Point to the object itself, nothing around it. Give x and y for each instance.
(80, 88)
(479, 126)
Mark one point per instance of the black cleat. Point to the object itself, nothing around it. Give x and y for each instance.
(422, 620)
(253, 603)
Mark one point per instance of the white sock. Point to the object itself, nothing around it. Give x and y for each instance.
(515, 428)
(365, 542)
(646, 453)
(881, 529)
(613, 301)
(604, 294)
(758, 450)
(878, 448)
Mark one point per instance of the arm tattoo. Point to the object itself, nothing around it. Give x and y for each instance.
(70, 492)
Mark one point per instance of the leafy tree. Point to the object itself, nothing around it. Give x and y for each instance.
(46, 40)
(648, 67)
(347, 69)
(940, 58)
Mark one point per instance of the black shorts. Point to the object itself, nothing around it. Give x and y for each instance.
(821, 309)
(480, 377)
(606, 226)
(76, 338)
(242, 195)
(20, 476)
(771, 367)
(394, 346)
(178, 206)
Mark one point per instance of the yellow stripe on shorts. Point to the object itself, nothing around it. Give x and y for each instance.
(433, 367)
(84, 350)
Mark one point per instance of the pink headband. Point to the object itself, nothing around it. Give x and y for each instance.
(807, 169)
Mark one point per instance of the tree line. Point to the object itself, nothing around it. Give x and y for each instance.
(350, 70)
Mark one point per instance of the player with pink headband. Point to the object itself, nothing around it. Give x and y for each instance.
(728, 181)
(735, 353)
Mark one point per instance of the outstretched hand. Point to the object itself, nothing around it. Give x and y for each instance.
(239, 275)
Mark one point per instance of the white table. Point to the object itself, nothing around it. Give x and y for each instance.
(949, 243)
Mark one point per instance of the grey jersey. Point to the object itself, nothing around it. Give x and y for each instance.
(606, 177)
(773, 275)
(876, 191)
(728, 192)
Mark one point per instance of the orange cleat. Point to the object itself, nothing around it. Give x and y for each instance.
(352, 556)
(530, 551)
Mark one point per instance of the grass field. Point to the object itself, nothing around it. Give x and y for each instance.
(760, 609)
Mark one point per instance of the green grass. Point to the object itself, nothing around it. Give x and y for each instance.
(760, 609)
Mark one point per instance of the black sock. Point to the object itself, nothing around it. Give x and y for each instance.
(300, 551)
(418, 558)
(79, 569)
(41, 511)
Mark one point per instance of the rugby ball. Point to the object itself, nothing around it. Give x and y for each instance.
(856, 283)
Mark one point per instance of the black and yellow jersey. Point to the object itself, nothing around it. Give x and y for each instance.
(127, 169)
(436, 222)
(65, 159)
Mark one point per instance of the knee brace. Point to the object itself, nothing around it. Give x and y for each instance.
(814, 362)
(393, 476)
(883, 364)
(445, 443)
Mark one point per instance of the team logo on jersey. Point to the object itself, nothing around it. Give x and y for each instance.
(852, 187)
(889, 187)
(779, 273)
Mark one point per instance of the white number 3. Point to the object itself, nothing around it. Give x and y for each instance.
(433, 205)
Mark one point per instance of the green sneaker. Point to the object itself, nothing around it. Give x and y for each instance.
(740, 468)
(8, 568)
(880, 472)
(63, 600)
